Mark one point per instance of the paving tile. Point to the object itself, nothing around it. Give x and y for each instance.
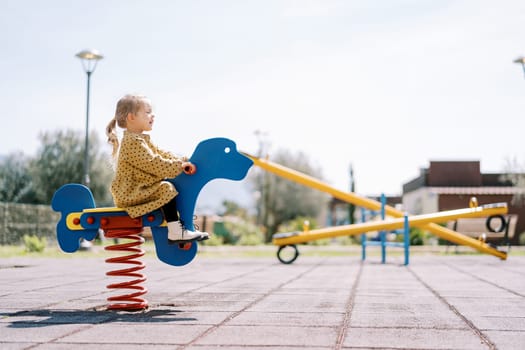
(287, 319)
(409, 338)
(437, 302)
(507, 340)
(141, 333)
(270, 336)
(36, 331)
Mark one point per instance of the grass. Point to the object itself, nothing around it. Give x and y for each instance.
(10, 251)
(223, 251)
(261, 251)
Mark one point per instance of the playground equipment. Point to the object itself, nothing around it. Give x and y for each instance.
(427, 222)
(213, 159)
(216, 158)
(382, 236)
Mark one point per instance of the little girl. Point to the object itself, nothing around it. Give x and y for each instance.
(139, 185)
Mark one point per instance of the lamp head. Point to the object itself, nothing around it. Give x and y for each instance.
(89, 55)
(89, 59)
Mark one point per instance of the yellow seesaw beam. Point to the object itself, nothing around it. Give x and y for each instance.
(389, 224)
(371, 204)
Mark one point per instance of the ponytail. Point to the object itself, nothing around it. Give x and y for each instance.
(111, 133)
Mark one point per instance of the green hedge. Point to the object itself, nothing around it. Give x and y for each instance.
(17, 220)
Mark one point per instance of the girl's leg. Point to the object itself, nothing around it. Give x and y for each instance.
(170, 211)
(176, 231)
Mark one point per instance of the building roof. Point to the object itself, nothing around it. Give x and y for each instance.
(451, 175)
(481, 190)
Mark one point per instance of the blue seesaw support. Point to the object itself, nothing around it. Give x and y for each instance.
(382, 241)
(215, 158)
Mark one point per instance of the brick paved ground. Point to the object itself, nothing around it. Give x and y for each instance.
(437, 302)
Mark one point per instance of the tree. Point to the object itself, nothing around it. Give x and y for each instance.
(15, 180)
(59, 161)
(282, 200)
(351, 206)
(515, 176)
(234, 209)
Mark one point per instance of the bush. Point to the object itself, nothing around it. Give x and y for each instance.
(251, 239)
(348, 240)
(245, 232)
(522, 238)
(320, 242)
(34, 244)
(417, 236)
(214, 240)
(223, 232)
(298, 224)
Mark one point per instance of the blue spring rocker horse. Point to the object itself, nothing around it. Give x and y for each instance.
(215, 158)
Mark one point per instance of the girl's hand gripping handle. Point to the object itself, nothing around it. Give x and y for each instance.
(189, 168)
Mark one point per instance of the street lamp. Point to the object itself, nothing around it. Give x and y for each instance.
(89, 60)
(521, 60)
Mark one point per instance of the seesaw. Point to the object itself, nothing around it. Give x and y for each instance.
(215, 158)
(292, 238)
(427, 222)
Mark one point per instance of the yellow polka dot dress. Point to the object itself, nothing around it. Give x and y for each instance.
(138, 186)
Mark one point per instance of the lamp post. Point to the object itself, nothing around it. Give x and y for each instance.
(521, 60)
(89, 60)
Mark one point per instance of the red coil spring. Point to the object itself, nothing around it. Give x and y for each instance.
(131, 301)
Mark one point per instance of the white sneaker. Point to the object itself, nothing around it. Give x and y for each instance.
(177, 233)
(204, 235)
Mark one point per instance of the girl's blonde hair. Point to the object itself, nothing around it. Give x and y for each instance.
(127, 104)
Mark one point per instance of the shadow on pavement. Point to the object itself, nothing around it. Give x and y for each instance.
(43, 318)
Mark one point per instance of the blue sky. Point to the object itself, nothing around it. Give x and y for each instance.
(384, 85)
